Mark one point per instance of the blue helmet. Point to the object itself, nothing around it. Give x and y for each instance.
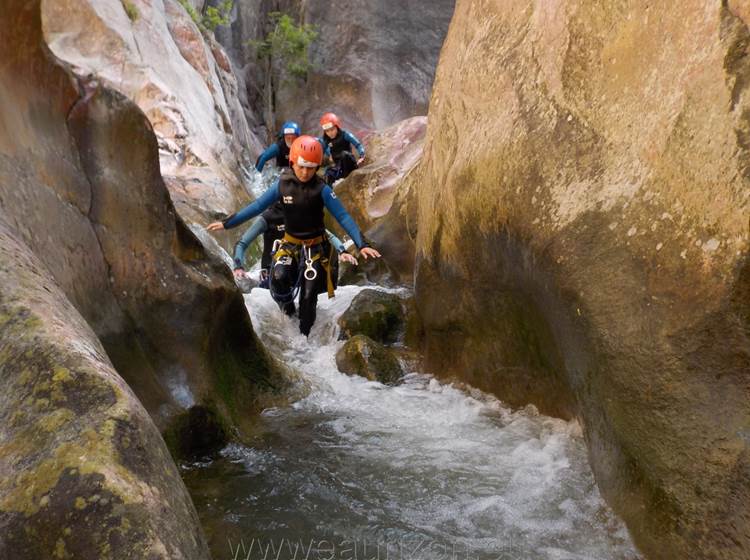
(290, 127)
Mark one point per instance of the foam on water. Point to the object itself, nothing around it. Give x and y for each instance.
(422, 462)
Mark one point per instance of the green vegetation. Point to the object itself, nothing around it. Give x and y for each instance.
(131, 10)
(216, 16)
(288, 44)
(213, 17)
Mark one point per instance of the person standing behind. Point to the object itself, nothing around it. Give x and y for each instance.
(289, 132)
(339, 144)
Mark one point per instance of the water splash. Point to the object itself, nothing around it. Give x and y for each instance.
(419, 470)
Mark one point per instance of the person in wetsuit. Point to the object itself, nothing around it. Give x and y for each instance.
(303, 262)
(339, 144)
(289, 132)
(270, 224)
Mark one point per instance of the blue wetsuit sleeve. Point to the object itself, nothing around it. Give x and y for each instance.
(349, 137)
(255, 208)
(259, 226)
(326, 147)
(336, 242)
(342, 216)
(271, 152)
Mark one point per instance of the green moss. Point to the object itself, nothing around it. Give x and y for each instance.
(131, 10)
(57, 419)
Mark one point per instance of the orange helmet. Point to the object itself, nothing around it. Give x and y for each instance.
(306, 151)
(328, 120)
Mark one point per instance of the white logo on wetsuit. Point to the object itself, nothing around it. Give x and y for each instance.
(280, 227)
(288, 200)
(333, 194)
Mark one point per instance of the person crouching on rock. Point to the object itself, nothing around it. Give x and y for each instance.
(339, 144)
(270, 224)
(303, 262)
(289, 132)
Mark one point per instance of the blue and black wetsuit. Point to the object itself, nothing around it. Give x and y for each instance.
(270, 224)
(339, 149)
(278, 150)
(303, 207)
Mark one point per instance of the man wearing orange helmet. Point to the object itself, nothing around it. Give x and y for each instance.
(303, 261)
(339, 144)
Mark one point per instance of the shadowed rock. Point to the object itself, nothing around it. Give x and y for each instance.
(93, 258)
(583, 244)
(375, 314)
(84, 472)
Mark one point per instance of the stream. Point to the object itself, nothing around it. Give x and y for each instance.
(423, 470)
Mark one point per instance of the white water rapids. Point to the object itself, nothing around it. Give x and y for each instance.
(422, 470)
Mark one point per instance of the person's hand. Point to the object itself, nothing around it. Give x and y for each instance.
(239, 273)
(346, 257)
(215, 226)
(369, 253)
(360, 160)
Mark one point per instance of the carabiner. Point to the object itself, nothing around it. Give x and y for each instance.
(310, 272)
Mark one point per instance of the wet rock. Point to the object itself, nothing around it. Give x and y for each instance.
(167, 312)
(375, 314)
(198, 432)
(593, 246)
(84, 472)
(364, 357)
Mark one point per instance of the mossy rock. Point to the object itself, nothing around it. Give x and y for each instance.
(375, 314)
(367, 358)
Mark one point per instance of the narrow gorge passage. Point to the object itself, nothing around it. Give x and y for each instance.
(422, 470)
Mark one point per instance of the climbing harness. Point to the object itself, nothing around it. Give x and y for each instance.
(290, 248)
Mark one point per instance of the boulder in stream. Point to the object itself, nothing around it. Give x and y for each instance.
(367, 358)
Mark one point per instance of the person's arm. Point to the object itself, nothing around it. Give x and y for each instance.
(253, 209)
(336, 242)
(259, 226)
(338, 211)
(271, 152)
(349, 137)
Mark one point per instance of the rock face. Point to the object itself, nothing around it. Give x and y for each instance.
(181, 79)
(380, 200)
(375, 314)
(94, 258)
(583, 243)
(364, 357)
(374, 62)
(84, 472)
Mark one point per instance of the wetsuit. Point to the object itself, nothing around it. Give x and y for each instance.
(304, 240)
(278, 150)
(270, 224)
(339, 149)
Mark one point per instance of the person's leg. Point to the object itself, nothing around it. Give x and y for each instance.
(265, 279)
(332, 173)
(308, 300)
(347, 164)
(283, 279)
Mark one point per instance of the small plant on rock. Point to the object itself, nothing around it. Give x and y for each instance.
(131, 10)
(217, 15)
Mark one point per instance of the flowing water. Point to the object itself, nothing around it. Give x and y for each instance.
(423, 470)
